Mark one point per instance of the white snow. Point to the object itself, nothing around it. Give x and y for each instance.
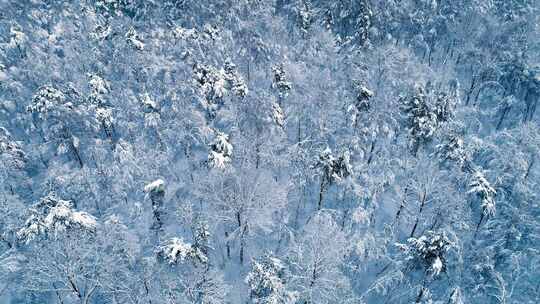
(218, 160)
(133, 38)
(98, 84)
(157, 185)
(437, 266)
(58, 219)
(176, 250)
(277, 115)
(147, 101)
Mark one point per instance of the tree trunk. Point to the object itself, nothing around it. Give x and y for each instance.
(402, 205)
(242, 244)
(445, 55)
(421, 293)
(297, 213)
(370, 158)
(227, 245)
(344, 219)
(503, 115)
(471, 89)
(156, 210)
(422, 203)
(147, 291)
(77, 155)
(479, 222)
(451, 295)
(257, 155)
(533, 109)
(299, 131)
(313, 275)
(321, 193)
(74, 288)
(529, 167)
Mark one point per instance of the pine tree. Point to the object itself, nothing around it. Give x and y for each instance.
(99, 89)
(333, 170)
(452, 149)
(236, 83)
(201, 241)
(50, 217)
(214, 85)
(421, 120)
(445, 105)
(58, 118)
(267, 282)
(280, 82)
(429, 250)
(220, 151)
(11, 152)
(363, 96)
(151, 109)
(175, 251)
(134, 39)
(482, 189)
(156, 192)
(428, 253)
(277, 115)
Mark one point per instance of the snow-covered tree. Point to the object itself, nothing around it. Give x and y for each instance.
(50, 217)
(267, 281)
(223, 110)
(363, 96)
(445, 105)
(362, 101)
(333, 170)
(220, 151)
(58, 119)
(277, 115)
(99, 90)
(235, 81)
(201, 240)
(11, 152)
(12, 215)
(482, 190)
(316, 260)
(46, 99)
(452, 149)
(215, 84)
(156, 192)
(429, 251)
(305, 16)
(177, 251)
(212, 86)
(151, 109)
(134, 39)
(351, 20)
(280, 82)
(17, 41)
(191, 275)
(421, 120)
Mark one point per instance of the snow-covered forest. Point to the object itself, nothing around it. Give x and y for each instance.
(269, 151)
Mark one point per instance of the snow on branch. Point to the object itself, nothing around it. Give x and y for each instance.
(176, 251)
(429, 250)
(220, 151)
(155, 186)
(52, 216)
(480, 187)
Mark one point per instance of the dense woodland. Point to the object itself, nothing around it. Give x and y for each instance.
(269, 151)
